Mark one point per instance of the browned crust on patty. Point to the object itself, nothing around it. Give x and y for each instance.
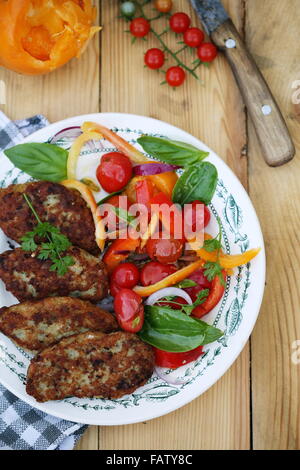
(35, 325)
(29, 278)
(54, 203)
(90, 365)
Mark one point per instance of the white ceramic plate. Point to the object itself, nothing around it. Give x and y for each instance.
(235, 315)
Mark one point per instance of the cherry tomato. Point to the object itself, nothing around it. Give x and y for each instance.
(114, 171)
(139, 27)
(129, 310)
(207, 52)
(126, 275)
(154, 272)
(164, 6)
(154, 58)
(165, 250)
(175, 76)
(179, 22)
(172, 360)
(193, 37)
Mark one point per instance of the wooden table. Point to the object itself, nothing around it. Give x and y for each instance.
(257, 402)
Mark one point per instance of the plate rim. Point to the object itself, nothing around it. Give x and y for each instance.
(227, 362)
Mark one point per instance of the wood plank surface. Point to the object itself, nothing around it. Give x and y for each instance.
(276, 195)
(110, 77)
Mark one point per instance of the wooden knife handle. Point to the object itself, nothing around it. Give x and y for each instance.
(268, 121)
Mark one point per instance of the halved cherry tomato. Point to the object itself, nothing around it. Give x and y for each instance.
(114, 171)
(118, 251)
(193, 37)
(207, 52)
(114, 288)
(179, 22)
(126, 275)
(144, 192)
(202, 283)
(196, 217)
(173, 360)
(154, 58)
(215, 294)
(139, 27)
(165, 250)
(129, 310)
(153, 272)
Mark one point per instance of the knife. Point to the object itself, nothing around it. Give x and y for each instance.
(268, 121)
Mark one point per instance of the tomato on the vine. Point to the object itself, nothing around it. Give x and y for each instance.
(164, 6)
(154, 58)
(114, 171)
(193, 37)
(179, 22)
(175, 76)
(139, 27)
(207, 52)
(129, 310)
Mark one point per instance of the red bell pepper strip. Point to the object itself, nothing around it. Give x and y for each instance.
(215, 294)
(171, 218)
(173, 360)
(118, 251)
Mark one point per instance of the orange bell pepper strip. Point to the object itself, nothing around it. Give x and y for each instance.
(87, 195)
(165, 182)
(168, 281)
(118, 251)
(227, 261)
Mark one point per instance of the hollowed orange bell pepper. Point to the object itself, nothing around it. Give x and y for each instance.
(37, 36)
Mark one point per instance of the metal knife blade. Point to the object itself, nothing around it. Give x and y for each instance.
(211, 12)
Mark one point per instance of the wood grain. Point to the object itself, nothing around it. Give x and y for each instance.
(271, 130)
(276, 193)
(220, 419)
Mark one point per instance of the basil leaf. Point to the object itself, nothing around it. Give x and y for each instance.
(197, 183)
(172, 151)
(41, 161)
(173, 331)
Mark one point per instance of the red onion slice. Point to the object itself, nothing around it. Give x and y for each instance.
(69, 133)
(148, 169)
(166, 292)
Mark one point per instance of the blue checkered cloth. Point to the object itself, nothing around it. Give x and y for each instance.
(21, 426)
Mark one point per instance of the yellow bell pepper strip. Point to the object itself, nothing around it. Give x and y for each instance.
(87, 195)
(229, 261)
(168, 281)
(150, 229)
(122, 145)
(76, 149)
(165, 182)
(118, 251)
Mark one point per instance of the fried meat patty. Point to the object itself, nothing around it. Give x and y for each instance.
(29, 278)
(89, 365)
(35, 325)
(54, 203)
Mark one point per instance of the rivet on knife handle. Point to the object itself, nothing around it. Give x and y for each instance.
(268, 121)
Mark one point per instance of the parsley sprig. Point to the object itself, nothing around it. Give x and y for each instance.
(213, 268)
(52, 248)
